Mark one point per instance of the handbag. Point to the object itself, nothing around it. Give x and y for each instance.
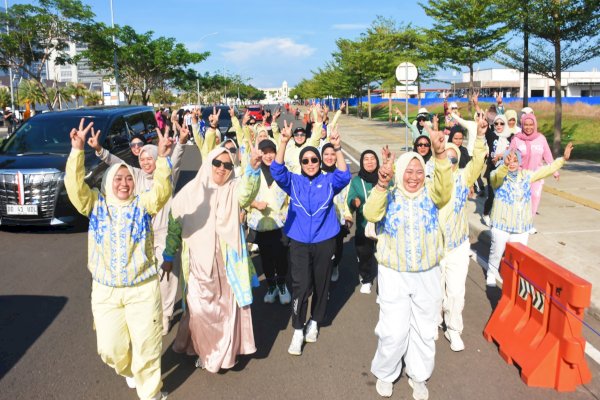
(370, 231)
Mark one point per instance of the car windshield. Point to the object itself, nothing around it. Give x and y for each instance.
(45, 136)
(254, 108)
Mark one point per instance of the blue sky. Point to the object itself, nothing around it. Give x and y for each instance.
(266, 41)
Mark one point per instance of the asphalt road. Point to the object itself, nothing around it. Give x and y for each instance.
(48, 349)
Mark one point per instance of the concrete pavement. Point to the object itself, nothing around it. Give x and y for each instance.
(569, 214)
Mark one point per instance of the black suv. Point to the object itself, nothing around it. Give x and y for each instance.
(225, 125)
(33, 160)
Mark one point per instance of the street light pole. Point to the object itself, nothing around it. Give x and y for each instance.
(10, 73)
(116, 67)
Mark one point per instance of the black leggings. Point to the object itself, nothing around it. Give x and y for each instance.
(310, 265)
(272, 246)
(367, 264)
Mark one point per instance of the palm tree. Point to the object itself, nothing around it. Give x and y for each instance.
(4, 98)
(92, 98)
(30, 91)
(77, 90)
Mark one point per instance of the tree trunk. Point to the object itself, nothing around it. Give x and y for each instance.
(418, 93)
(45, 93)
(557, 100)
(525, 66)
(470, 95)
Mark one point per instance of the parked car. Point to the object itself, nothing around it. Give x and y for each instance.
(33, 160)
(257, 112)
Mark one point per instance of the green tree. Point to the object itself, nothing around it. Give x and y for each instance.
(4, 98)
(38, 32)
(565, 35)
(162, 96)
(30, 91)
(93, 98)
(76, 90)
(145, 63)
(465, 32)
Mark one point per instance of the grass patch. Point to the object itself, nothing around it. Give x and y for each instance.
(579, 125)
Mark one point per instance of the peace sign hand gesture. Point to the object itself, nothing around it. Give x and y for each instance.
(286, 132)
(482, 124)
(386, 171)
(93, 141)
(165, 145)
(213, 119)
(255, 156)
(78, 135)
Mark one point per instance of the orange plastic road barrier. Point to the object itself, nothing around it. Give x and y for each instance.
(538, 321)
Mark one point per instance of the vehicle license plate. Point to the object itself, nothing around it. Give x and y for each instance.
(29, 209)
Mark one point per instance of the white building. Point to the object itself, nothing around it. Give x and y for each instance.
(509, 83)
(79, 72)
(277, 95)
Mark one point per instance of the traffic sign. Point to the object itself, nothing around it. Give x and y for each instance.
(406, 73)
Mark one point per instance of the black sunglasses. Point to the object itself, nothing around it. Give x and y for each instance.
(227, 165)
(136, 144)
(296, 134)
(423, 145)
(498, 123)
(312, 160)
(231, 149)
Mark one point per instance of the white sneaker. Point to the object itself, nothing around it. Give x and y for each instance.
(130, 382)
(385, 389)
(490, 279)
(335, 274)
(271, 294)
(312, 331)
(365, 288)
(284, 294)
(456, 342)
(486, 220)
(533, 231)
(420, 391)
(198, 363)
(295, 348)
(160, 396)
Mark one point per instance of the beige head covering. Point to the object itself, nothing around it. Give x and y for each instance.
(400, 167)
(206, 211)
(107, 190)
(450, 145)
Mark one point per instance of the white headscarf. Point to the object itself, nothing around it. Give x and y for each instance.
(400, 168)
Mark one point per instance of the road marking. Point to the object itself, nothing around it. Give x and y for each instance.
(590, 350)
(568, 232)
(351, 158)
(572, 197)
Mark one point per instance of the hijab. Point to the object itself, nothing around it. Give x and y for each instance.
(317, 154)
(400, 168)
(512, 114)
(266, 169)
(502, 143)
(513, 174)
(415, 148)
(522, 135)
(325, 167)
(370, 177)
(152, 151)
(207, 211)
(454, 147)
(107, 190)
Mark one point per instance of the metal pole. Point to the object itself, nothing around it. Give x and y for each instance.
(198, 90)
(406, 146)
(112, 23)
(10, 73)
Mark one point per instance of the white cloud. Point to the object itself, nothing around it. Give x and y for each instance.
(349, 27)
(272, 49)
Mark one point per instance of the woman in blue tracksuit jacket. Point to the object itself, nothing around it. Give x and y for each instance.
(312, 226)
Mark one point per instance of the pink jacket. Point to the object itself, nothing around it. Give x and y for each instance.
(534, 148)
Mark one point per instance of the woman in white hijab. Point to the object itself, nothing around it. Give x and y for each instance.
(409, 276)
(205, 223)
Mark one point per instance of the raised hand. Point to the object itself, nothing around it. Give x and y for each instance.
(567, 153)
(335, 138)
(286, 132)
(343, 106)
(255, 157)
(231, 111)
(277, 114)
(499, 99)
(438, 143)
(397, 111)
(386, 171)
(165, 145)
(213, 119)
(482, 124)
(93, 141)
(78, 135)
(385, 153)
(184, 134)
(246, 117)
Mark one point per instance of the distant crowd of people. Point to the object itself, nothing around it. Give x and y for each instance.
(288, 191)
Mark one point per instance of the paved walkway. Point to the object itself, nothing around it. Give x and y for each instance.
(569, 215)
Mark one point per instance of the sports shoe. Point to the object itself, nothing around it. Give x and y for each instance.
(271, 294)
(130, 382)
(456, 342)
(490, 279)
(335, 274)
(385, 389)
(486, 220)
(365, 288)
(312, 331)
(533, 231)
(198, 363)
(284, 295)
(160, 396)
(295, 348)
(420, 391)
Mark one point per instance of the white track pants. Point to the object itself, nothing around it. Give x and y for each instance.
(499, 240)
(409, 305)
(455, 266)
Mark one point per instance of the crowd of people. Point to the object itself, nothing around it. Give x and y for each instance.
(289, 192)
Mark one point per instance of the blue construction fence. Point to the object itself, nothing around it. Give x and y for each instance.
(353, 102)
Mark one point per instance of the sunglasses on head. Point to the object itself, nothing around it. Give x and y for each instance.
(423, 145)
(136, 144)
(227, 165)
(498, 123)
(231, 149)
(296, 134)
(312, 160)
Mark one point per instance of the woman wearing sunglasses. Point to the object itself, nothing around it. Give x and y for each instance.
(205, 224)
(301, 139)
(312, 226)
